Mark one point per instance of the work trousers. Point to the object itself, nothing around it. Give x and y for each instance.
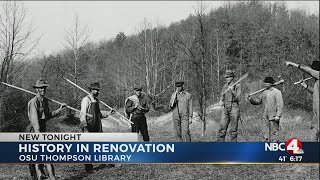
(273, 135)
(315, 134)
(315, 131)
(181, 127)
(230, 118)
(92, 129)
(140, 125)
(315, 128)
(39, 171)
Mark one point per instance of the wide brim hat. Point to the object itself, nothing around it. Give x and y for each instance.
(40, 83)
(137, 88)
(229, 73)
(268, 80)
(179, 83)
(95, 86)
(315, 65)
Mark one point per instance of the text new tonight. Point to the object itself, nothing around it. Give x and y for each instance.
(50, 137)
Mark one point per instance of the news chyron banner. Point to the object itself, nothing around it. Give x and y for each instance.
(125, 148)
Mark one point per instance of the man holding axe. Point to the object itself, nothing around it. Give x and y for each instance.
(39, 113)
(314, 72)
(229, 100)
(272, 99)
(90, 105)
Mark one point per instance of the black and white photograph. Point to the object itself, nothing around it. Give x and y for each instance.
(167, 71)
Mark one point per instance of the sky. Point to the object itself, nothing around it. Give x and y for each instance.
(105, 19)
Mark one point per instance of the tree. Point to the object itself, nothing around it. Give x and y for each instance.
(76, 37)
(193, 42)
(16, 43)
(202, 73)
(157, 59)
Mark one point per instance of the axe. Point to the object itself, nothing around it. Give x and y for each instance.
(237, 82)
(302, 80)
(261, 90)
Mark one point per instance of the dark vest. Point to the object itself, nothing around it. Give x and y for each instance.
(94, 122)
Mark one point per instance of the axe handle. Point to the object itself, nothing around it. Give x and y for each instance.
(27, 91)
(237, 82)
(303, 80)
(259, 91)
(122, 117)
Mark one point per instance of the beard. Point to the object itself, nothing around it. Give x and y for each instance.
(96, 94)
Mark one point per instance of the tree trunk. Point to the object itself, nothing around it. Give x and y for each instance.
(146, 60)
(1, 108)
(218, 67)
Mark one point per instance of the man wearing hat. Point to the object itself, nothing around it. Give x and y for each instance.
(231, 113)
(136, 106)
(181, 103)
(39, 113)
(314, 72)
(90, 105)
(273, 106)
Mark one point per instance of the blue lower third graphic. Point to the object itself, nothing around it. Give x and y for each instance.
(154, 152)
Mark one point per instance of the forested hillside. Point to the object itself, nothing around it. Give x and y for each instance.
(255, 37)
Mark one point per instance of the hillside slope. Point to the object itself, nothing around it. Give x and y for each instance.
(294, 123)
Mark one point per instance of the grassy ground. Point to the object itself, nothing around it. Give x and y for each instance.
(294, 123)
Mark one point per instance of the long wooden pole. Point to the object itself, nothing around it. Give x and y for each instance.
(237, 82)
(21, 89)
(126, 120)
(303, 80)
(256, 92)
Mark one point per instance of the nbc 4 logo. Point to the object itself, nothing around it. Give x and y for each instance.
(294, 146)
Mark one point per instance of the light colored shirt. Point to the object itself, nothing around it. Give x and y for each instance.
(134, 100)
(316, 101)
(182, 103)
(315, 94)
(39, 112)
(85, 108)
(273, 102)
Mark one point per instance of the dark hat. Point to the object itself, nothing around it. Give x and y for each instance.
(268, 80)
(315, 65)
(95, 86)
(179, 83)
(40, 83)
(229, 73)
(137, 88)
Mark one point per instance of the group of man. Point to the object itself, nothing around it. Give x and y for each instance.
(39, 113)
(181, 103)
(270, 97)
(136, 106)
